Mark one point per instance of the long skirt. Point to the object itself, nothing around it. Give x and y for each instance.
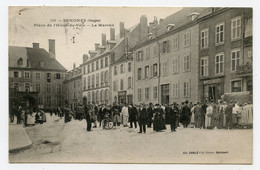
(207, 121)
(158, 123)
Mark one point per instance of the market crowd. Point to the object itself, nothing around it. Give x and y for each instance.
(206, 115)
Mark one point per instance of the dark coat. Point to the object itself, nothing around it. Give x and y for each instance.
(132, 114)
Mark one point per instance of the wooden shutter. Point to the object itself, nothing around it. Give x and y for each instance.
(168, 45)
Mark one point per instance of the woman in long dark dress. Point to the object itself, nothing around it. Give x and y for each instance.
(159, 123)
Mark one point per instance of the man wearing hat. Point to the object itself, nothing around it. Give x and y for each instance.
(142, 118)
(173, 114)
(150, 115)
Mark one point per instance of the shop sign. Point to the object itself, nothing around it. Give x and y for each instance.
(212, 81)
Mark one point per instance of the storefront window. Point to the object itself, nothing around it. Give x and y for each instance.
(236, 86)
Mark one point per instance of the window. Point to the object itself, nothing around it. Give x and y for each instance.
(97, 65)
(93, 81)
(38, 75)
(236, 86)
(129, 67)
(186, 89)
(236, 28)
(139, 94)
(175, 43)
(41, 63)
(129, 82)
(38, 87)
(58, 88)
(101, 96)
(220, 33)
(40, 101)
(147, 93)
(27, 74)
(92, 66)
(84, 70)
(58, 76)
(101, 63)
(155, 70)
(27, 87)
(122, 69)
(165, 46)
(97, 96)
(122, 84)
(115, 70)
(106, 77)
(84, 83)
(139, 56)
(175, 65)
(186, 63)
(175, 93)
(93, 96)
(155, 92)
(48, 75)
(235, 57)
(106, 62)
(89, 97)
(102, 78)
(165, 68)
(78, 83)
(74, 84)
(97, 80)
(147, 53)
(16, 74)
(204, 66)
(115, 85)
(48, 88)
(204, 38)
(48, 101)
(16, 86)
(88, 82)
(156, 50)
(139, 74)
(146, 75)
(88, 68)
(20, 62)
(219, 63)
(187, 39)
(106, 95)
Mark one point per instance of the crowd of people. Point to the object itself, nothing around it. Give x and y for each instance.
(206, 115)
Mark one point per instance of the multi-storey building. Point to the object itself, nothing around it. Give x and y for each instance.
(166, 64)
(225, 52)
(122, 79)
(96, 73)
(74, 87)
(35, 77)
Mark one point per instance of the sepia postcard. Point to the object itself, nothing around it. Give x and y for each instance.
(139, 85)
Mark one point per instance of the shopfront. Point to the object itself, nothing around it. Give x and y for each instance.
(122, 97)
(212, 89)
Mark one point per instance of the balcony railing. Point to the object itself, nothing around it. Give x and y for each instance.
(245, 69)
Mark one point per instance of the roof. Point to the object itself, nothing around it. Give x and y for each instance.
(122, 59)
(34, 56)
(182, 17)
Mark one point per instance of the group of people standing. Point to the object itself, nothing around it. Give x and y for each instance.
(221, 115)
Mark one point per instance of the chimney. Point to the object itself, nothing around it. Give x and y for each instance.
(96, 46)
(36, 45)
(161, 20)
(74, 66)
(112, 34)
(143, 28)
(122, 29)
(52, 48)
(103, 38)
(155, 22)
(85, 58)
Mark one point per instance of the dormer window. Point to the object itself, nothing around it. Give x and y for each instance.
(20, 62)
(194, 16)
(41, 63)
(170, 27)
(150, 36)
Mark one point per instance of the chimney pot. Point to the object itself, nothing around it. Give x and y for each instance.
(103, 38)
(96, 46)
(112, 34)
(52, 48)
(122, 29)
(36, 45)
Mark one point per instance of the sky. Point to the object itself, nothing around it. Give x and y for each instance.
(30, 24)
